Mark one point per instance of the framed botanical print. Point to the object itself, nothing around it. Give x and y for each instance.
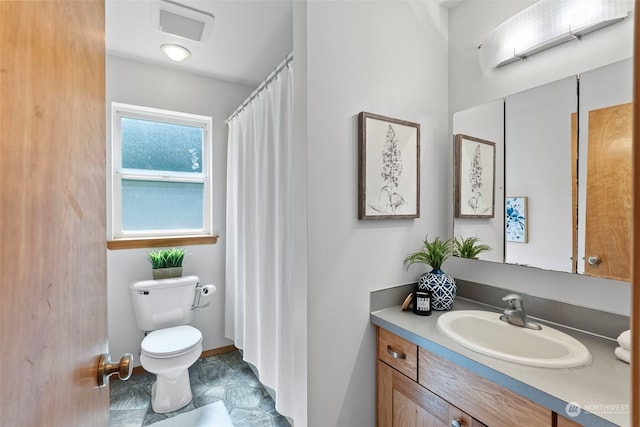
(474, 176)
(388, 167)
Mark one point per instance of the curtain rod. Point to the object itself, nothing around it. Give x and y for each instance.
(261, 87)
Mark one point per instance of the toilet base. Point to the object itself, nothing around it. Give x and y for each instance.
(171, 394)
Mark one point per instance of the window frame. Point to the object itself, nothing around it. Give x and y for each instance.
(118, 173)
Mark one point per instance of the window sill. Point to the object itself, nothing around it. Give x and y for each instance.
(161, 242)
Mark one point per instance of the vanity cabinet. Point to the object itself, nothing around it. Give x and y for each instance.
(416, 387)
(402, 401)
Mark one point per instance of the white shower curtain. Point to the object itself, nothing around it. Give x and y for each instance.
(258, 299)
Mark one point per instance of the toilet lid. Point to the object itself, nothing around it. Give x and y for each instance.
(171, 342)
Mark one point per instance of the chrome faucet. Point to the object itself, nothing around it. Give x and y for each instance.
(515, 314)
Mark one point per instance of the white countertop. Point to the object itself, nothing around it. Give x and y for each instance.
(601, 389)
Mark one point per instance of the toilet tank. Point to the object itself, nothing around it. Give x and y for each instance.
(163, 303)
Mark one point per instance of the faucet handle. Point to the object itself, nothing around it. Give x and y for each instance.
(514, 300)
(511, 296)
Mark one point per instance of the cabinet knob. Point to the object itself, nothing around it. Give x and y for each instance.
(458, 422)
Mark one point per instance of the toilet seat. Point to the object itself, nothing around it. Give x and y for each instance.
(171, 342)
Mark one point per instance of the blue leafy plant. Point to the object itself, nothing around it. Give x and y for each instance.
(389, 197)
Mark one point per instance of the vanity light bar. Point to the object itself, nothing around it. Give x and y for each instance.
(546, 24)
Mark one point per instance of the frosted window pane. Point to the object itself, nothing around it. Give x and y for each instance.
(150, 145)
(160, 205)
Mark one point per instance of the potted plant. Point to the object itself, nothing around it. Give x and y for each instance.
(442, 286)
(469, 247)
(166, 263)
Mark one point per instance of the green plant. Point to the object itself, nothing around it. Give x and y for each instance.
(165, 258)
(469, 247)
(433, 253)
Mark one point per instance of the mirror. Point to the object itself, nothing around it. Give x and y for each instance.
(539, 177)
(556, 207)
(485, 122)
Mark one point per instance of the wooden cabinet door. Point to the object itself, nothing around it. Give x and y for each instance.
(404, 403)
(565, 422)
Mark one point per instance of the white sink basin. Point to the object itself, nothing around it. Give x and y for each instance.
(484, 332)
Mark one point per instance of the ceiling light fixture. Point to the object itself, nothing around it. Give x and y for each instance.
(546, 24)
(175, 52)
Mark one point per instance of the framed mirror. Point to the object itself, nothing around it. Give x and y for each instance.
(485, 122)
(551, 142)
(538, 166)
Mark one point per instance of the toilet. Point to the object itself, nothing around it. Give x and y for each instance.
(163, 310)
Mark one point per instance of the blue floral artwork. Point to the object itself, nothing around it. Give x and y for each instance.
(516, 219)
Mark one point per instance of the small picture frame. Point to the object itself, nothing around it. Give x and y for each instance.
(388, 167)
(516, 219)
(474, 177)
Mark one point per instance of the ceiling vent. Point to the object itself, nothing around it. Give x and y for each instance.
(182, 21)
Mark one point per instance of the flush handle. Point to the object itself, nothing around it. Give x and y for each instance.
(124, 368)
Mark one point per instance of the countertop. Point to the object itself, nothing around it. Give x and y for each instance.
(602, 389)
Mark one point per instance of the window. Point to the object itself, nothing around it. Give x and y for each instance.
(161, 185)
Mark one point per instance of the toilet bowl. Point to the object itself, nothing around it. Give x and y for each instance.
(168, 353)
(163, 309)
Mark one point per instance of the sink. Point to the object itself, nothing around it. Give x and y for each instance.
(485, 333)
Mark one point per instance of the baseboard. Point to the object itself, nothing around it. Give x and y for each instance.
(207, 353)
(216, 351)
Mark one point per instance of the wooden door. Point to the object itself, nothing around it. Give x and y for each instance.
(609, 217)
(635, 283)
(52, 213)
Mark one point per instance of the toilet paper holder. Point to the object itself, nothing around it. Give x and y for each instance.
(201, 291)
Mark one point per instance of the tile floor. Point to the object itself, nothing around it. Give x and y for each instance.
(223, 377)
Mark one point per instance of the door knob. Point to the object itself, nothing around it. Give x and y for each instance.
(594, 260)
(458, 422)
(106, 368)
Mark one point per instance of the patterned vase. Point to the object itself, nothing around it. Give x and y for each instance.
(442, 287)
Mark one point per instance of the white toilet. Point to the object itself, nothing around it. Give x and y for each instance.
(163, 309)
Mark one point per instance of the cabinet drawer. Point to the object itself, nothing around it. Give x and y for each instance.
(484, 400)
(398, 353)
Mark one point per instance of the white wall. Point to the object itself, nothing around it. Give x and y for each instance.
(299, 297)
(468, 86)
(389, 58)
(152, 86)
